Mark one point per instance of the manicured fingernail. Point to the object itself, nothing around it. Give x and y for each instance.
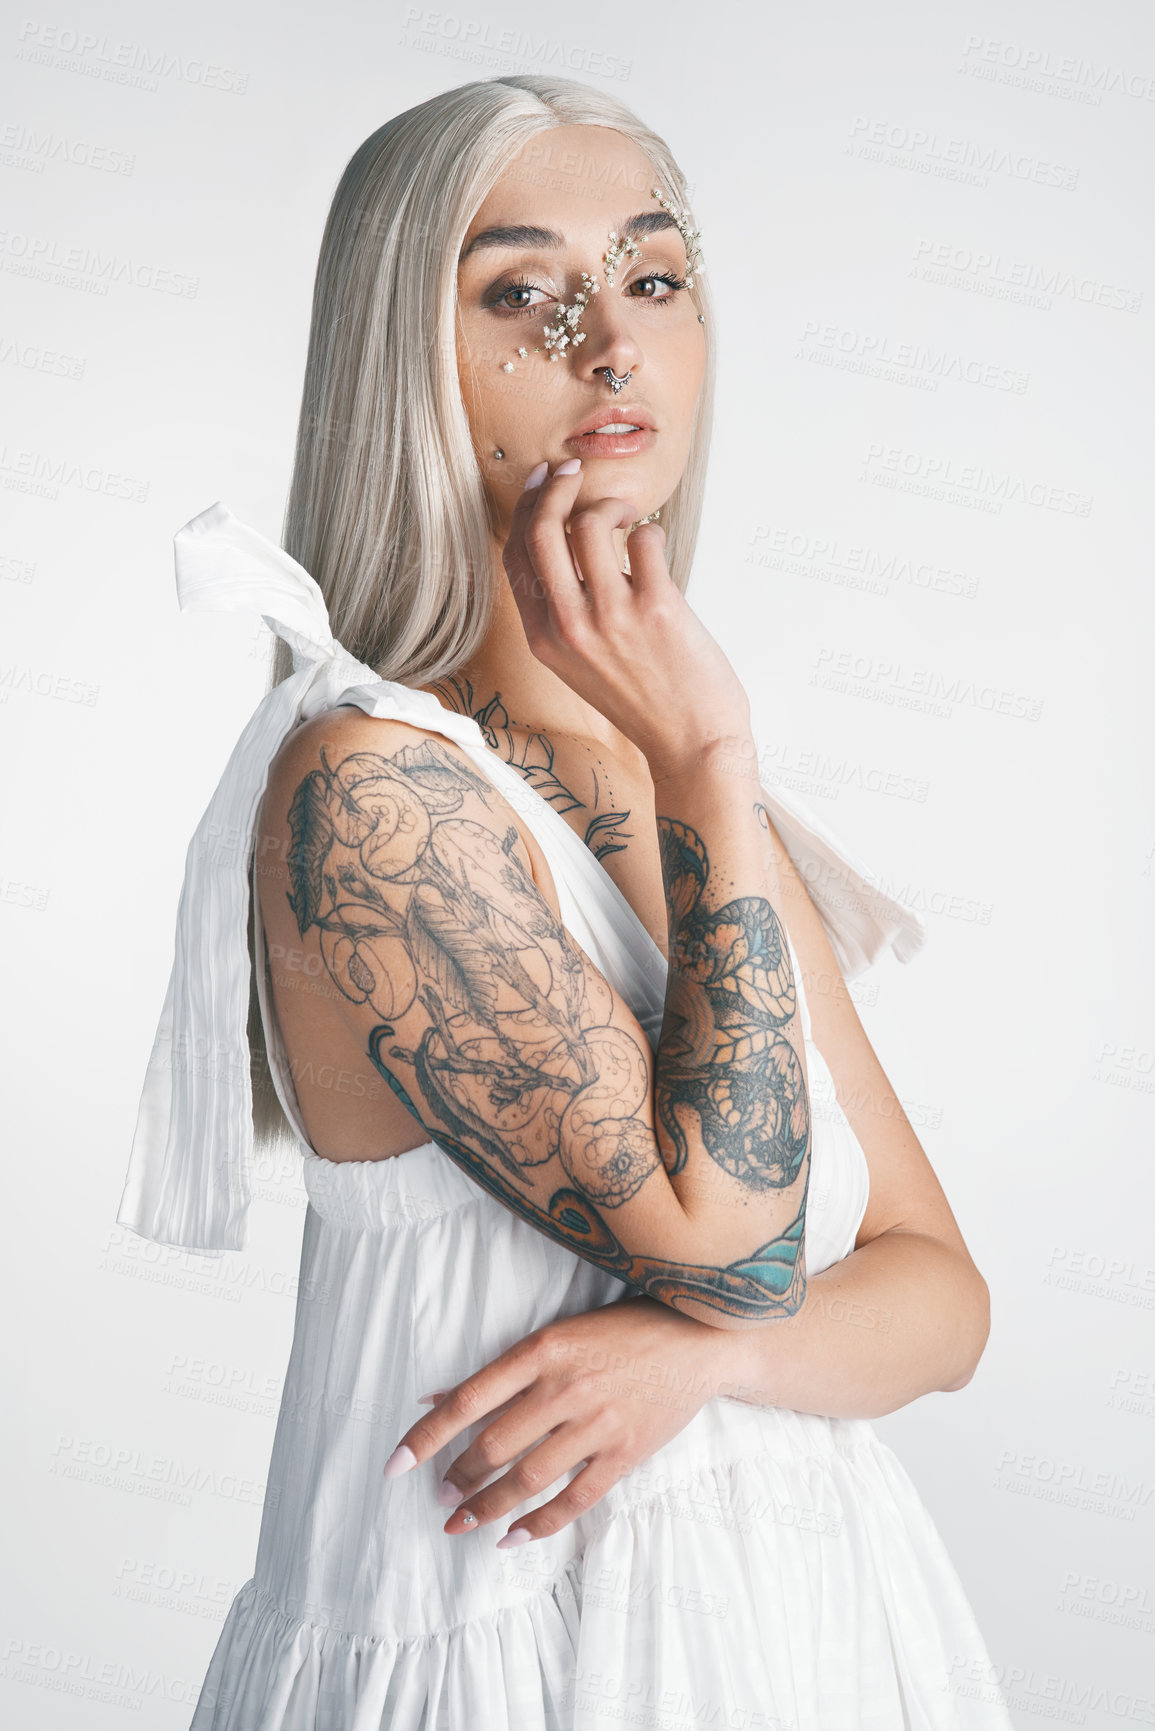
(448, 1495)
(536, 475)
(400, 1461)
(436, 1395)
(516, 1536)
(569, 467)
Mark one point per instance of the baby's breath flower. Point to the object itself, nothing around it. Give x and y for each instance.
(612, 256)
(691, 236)
(559, 334)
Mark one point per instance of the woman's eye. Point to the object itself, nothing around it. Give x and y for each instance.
(675, 283)
(502, 299)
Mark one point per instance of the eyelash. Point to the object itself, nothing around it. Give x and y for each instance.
(675, 282)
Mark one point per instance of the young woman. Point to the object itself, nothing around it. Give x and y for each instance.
(601, 1166)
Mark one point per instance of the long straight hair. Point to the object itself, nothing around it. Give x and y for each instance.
(387, 507)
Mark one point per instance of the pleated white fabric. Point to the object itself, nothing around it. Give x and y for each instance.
(764, 1569)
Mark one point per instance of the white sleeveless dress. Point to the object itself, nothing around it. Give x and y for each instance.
(764, 1569)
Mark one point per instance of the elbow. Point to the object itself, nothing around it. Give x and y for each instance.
(735, 1315)
(977, 1333)
(774, 1308)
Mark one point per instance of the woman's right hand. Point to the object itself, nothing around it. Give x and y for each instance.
(581, 1391)
(629, 645)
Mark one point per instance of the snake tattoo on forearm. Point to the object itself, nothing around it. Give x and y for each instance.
(519, 1063)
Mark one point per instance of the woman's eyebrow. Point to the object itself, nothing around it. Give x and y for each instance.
(525, 234)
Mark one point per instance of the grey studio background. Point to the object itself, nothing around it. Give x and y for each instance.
(926, 551)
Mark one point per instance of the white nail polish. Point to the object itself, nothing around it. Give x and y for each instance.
(400, 1461)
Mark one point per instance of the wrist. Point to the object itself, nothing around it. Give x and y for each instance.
(731, 1363)
(739, 1371)
(754, 1363)
(717, 1362)
(733, 754)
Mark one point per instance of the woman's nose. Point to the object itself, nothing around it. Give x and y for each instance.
(608, 341)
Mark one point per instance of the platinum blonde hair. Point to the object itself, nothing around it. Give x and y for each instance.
(387, 507)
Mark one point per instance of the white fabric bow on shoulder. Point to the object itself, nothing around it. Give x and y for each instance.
(189, 1173)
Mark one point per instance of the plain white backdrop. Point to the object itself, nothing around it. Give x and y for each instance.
(927, 552)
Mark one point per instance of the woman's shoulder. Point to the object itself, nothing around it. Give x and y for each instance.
(346, 729)
(348, 772)
(412, 752)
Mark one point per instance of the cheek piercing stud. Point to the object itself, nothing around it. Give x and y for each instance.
(499, 455)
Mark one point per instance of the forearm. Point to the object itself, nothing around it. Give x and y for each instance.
(732, 1104)
(904, 1316)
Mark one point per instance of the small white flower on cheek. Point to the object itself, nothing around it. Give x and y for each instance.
(561, 334)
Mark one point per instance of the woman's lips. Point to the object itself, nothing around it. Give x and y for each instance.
(612, 444)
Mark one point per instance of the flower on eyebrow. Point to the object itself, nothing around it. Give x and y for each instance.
(691, 236)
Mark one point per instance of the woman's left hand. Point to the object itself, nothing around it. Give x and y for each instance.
(608, 1387)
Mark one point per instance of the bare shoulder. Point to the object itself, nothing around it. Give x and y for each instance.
(345, 731)
(348, 756)
(382, 784)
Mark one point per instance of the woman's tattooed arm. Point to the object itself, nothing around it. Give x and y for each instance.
(512, 1050)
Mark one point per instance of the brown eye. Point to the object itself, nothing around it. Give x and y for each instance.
(501, 299)
(675, 283)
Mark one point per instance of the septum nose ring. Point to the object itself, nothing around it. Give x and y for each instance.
(611, 378)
